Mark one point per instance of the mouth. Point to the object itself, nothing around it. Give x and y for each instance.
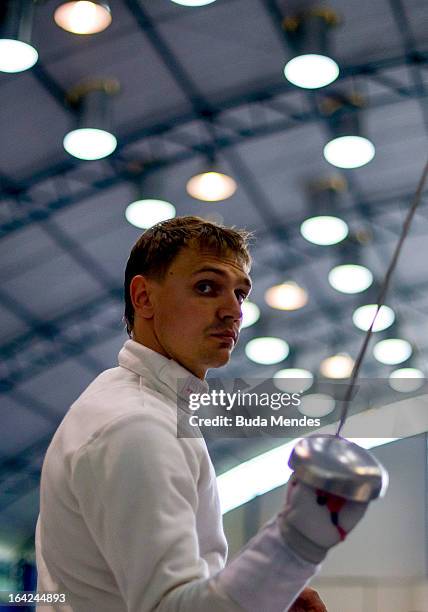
(229, 337)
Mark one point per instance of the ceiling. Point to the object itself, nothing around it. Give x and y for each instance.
(194, 81)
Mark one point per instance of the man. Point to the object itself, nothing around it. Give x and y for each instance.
(129, 513)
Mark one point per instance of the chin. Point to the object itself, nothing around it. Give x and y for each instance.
(220, 359)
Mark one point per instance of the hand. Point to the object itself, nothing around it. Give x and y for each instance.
(308, 601)
(313, 521)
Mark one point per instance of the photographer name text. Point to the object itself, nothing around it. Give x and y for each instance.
(257, 421)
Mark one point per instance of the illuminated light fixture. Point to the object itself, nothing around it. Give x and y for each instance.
(250, 314)
(350, 278)
(392, 351)
(364, 315)
(324, 230)
(267, 350)
(348, 149)
(193, 2)
(92, 139)
(293, 379)
(145, 213)
(316, 405)
(82, 17)
(287, 296)
(407, 380)
(308, 35)
(16, 51)
(90, 143)
(16, 55)
(147, 208)
(7, 553)
(211, 186)
(266, 472)
(337, 366)
(311, 71)
(324, 225)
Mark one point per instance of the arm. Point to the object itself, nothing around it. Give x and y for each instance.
(137, 490)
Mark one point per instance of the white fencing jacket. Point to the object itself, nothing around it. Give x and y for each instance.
(130, 519)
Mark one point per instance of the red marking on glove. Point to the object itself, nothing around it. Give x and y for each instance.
(342, 533)
(334, 504)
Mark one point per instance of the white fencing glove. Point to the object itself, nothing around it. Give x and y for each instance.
(313, 521)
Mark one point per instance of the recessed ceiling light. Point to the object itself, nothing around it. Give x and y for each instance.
(83, 17)
(406, 380)
(392, 351)
(293, 379)
(267, 350)
(324, 230)
(350, 278)
(250, 314)
(211, 186)
(316, 405)
(311, 71)
(287, 296)
(363, 317)
(337, 366)
(89, 143)
(145, 213)
(349, 151)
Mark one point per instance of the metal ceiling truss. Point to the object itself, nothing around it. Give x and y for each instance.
(403, 27)
(63, 337)
(201, 109)
(54, 332)
(24, 204)
(20, 209)
(71, 333)
(400, 16)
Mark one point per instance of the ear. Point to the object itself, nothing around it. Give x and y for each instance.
(141, 292)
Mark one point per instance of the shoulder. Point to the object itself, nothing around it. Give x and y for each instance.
(146, 436)
(141, 449)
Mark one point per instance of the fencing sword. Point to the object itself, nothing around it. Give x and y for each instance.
(330, 462)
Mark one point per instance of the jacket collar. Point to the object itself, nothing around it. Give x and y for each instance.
(165, 375)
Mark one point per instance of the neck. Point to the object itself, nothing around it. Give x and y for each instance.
(148, 338)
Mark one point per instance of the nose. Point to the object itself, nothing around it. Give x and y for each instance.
(230, 308)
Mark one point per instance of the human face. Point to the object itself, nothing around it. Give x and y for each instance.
(197, 309)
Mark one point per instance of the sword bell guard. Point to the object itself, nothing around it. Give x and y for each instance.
(340, 467)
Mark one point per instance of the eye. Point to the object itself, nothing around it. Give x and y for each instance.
(203, 285)
(242, 295)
